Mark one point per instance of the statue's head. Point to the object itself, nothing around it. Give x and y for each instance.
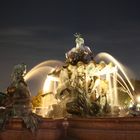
(19, 71)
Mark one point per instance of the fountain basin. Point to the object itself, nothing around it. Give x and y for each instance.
(49, 129)
(125, 128)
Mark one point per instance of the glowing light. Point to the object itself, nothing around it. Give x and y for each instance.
(131, 104)
(110, 95)
(115, 88)
(49, 84)
(106, 70)
(138, 99)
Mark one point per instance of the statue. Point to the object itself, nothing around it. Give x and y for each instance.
(18, 91)
(17, 101)
(79, 53)
(79, 41)
(84, 90)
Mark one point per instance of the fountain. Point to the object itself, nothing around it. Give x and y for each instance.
(89, 93)
(85, 85)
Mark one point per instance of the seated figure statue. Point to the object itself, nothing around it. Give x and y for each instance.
(17, 101)
(18, 91)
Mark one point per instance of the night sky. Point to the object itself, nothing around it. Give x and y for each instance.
(34, 31)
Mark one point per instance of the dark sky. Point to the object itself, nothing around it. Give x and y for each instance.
(33, 31)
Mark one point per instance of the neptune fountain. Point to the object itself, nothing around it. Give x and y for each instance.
(86, 86)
